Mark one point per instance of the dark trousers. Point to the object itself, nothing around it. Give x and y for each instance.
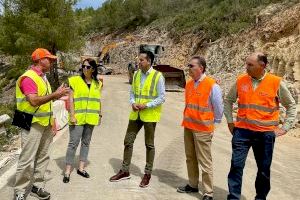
(262, 144)
(134, 126)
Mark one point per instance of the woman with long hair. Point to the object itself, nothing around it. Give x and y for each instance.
(84, 114)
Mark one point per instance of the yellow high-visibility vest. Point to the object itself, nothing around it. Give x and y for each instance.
(42, 115)
(87, 104)
(145, 95)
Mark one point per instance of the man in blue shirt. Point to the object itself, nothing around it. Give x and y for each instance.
(147, 94)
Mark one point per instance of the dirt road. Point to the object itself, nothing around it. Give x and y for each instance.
(170, 168)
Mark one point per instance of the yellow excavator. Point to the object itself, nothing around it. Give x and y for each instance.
(105, 50)
(103, 56)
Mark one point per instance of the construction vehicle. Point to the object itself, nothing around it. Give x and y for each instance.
(103, 56)
(105, 50)
(174, 77)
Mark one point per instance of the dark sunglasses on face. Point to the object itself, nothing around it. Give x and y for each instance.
(86, 66)
(191, 66)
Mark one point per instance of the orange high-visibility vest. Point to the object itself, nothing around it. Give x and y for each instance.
(258, 110)
(198, 114)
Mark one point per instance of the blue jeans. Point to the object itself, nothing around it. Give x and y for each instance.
(79, 133)
(262, 144)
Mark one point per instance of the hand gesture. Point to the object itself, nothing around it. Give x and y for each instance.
(62, 91)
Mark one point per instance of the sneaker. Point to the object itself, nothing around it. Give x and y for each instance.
(120, 176)
(145, 181)
(39, 193)
(187, 189)
(20, 197)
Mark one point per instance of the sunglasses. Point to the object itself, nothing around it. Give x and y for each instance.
(86, 66)
(190, 66)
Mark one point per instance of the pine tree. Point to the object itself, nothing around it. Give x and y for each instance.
(29, 24)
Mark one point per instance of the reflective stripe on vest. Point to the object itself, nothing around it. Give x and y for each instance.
(201, 122)
(198, 108)
(145, 95)
(87, 111)
(87, 102)
(86, 99)
(258, 109)
(256, 122)
(198, 114)
(41, 114)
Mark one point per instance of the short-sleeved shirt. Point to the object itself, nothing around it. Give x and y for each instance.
(27, 85)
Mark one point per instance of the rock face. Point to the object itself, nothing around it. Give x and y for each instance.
(277, 33)
(278, 37)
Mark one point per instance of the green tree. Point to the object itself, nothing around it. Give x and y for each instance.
(28, 24)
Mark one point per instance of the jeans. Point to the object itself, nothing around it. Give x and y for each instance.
(262, 144)
(81, 133)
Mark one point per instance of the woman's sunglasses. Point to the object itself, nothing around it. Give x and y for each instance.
(86, 66)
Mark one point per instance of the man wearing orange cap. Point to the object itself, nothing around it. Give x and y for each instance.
(34, 96)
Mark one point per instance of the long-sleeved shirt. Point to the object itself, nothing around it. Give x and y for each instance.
(215, 100)
(160, 90)
(283, 94)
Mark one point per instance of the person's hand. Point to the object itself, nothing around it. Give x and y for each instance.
(53, 127)
(54, 131)
(73, 120)
(100, 78)
(142, 106)
(279, 132)
(62, 91)
(135, 107)
(231, 127)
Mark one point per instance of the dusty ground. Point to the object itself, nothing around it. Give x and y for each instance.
(170, 168)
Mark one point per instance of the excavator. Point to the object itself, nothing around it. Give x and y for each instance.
(104, 57)
(174, 77)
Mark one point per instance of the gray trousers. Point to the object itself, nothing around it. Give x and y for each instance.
(34, 158)
(81, 133)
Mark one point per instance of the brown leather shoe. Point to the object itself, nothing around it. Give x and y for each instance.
(120, 176)
(145, 181)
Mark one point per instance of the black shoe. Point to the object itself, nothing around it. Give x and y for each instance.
(83, 173)
(205, 197)
(20, 197)
(66, 178)
(39, 193)
(187, 189)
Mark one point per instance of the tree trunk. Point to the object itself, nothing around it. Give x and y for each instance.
(54, 79)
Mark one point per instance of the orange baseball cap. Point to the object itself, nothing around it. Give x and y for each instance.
(42, 53)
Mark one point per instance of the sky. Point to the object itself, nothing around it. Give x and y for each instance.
(89, 3)
(82, 4)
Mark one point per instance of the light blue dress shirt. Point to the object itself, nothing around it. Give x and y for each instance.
(160, 90)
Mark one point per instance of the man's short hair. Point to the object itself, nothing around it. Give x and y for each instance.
(262, 58)
(201, 61)
(149, 56)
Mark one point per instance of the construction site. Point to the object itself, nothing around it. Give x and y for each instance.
(276, 32)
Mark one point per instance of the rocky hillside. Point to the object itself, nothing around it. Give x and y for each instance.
(277, 33)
